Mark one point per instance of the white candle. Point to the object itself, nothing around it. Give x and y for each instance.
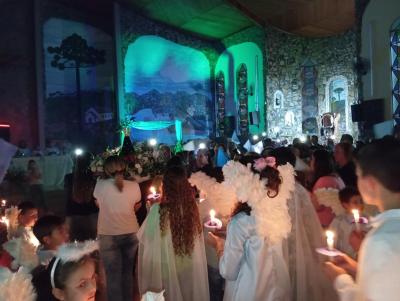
(213, 222)
(329, 239)
(356, 215)
(212, 216)
(3, 203)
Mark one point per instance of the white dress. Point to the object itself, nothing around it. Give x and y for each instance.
(182, 278)
(253, 269)
(308, 281)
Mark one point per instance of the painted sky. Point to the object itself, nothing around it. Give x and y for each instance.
(95, 78)
(152, 62)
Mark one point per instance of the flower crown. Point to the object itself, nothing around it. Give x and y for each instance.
(72, 252)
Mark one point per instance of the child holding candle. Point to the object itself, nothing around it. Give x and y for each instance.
(252, 260)
(344, 224)
(378, 267)
(28, 215)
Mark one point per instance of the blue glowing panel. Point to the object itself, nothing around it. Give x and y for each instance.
(167, 81)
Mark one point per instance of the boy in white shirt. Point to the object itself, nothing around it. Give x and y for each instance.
(377, 272)
(343, 225)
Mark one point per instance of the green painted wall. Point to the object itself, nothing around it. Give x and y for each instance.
(229, 62)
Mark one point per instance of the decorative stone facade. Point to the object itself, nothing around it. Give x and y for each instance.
(333, 57)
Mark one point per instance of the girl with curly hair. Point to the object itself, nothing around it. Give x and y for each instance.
(171, 245)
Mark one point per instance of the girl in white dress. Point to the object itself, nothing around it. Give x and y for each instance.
(251, 259)
(171, 245)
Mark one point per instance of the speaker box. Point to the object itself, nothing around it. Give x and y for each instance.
(373, 111)
(254, 118)
(5, 132)
(369, 111)
(229, 122)
(356, 113)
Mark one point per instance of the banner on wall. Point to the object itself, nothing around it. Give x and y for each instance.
(309, 97)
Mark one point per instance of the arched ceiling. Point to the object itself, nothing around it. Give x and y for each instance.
(217, 19)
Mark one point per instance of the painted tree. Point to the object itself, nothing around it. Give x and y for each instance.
(338, 91)
(74, 53)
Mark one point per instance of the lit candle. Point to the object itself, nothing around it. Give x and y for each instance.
(213, 223)
(153, 193)
(329, 239)
(212, 216)
(356, 215)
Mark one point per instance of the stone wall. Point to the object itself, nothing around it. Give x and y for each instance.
(333, 57)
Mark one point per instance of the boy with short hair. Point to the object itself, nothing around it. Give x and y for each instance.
(378, 269)
(51, 232)
(343, 225)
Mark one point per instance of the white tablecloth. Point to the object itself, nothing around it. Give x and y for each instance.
(53, 169)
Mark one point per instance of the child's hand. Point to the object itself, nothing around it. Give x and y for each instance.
(333, 271)
(215, 241)
(355, 239)
(347, 263)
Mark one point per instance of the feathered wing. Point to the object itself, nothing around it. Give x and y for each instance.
(12, 216)
(16, 286)
(271, 214)
(221, 197)
(23, 252)
(329, 197)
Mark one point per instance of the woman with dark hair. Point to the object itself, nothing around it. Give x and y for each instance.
(81, 210)
(118, 200)
(323, 170)
(171, 244)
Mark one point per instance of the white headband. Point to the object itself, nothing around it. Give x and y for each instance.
(72, 252)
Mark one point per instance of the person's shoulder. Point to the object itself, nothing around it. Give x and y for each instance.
(131, 184)
(384, 240)
(241, 220)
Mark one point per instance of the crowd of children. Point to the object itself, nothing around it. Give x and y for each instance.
(266, 249)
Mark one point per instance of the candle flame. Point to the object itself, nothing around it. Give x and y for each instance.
(212, 214)
(329, 239)
(153, 190)
(3, 202)
(356, 215)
